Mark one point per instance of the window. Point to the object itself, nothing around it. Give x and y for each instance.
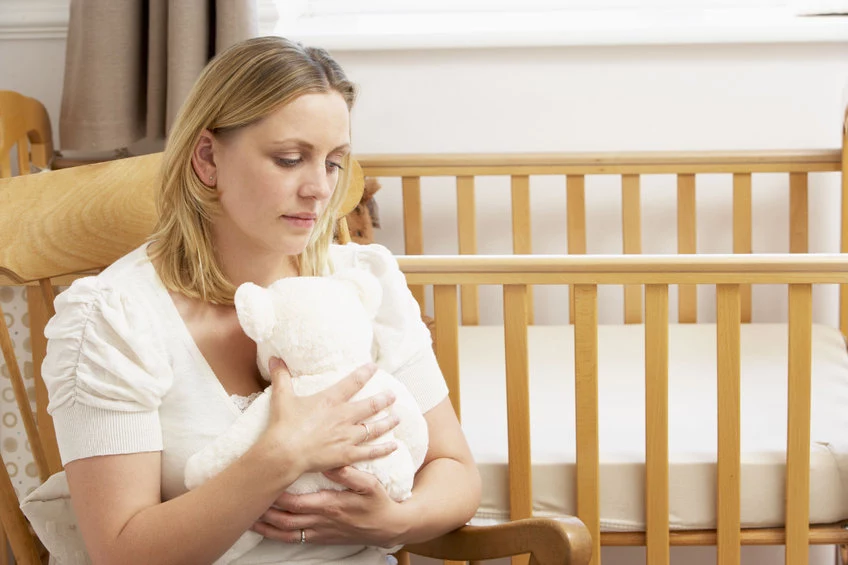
(391, 24)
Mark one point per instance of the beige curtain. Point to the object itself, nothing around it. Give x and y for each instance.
(130, 64)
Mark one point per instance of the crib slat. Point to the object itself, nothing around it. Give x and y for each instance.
(518, 400)
(632, 232)
(467, 226)
(586, 411)
(413, 227)
(447, 338)
(798, 444)
(687, 294)
(521, 241)
(729, 413)
(447, 348)
(798, 231)
(656, 423)
(742, 222)
(575, 186)
(521, 236)
(516, 306)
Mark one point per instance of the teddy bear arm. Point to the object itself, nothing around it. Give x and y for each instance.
(395, 472)
(412, 429)
(230, 445)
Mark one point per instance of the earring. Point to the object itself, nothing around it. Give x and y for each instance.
(211, 178)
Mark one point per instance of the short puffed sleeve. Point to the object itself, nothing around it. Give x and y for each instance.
(403, 346)
(105, 373)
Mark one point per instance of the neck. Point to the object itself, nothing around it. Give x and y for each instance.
(243, 263)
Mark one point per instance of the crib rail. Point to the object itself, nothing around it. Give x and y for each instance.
(653, 274)
(631, 167)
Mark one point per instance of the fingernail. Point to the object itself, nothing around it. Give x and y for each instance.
(274, 363)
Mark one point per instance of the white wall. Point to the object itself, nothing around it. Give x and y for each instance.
(629, 98)
(35, 67)
(578, 99)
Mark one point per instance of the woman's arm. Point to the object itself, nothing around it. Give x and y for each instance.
(447, 488)
(117, 502)
(117, 498)
(445, 496)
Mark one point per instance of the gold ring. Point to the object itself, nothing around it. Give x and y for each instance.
(302, 536)
(367, 432)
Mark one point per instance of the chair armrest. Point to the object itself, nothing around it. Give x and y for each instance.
(560, 542)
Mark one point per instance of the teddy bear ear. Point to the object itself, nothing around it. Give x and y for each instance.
(372, 185)
(255, 310)
(366, 285)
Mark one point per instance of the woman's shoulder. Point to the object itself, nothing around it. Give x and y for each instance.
(131, 270)
(129, 275)
(127, 285)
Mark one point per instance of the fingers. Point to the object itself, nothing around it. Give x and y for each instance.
(377, 428)
(367, 408)
(346, 388)
(288, 521)
(280, 375)
(312, 503)
(368, 452)
(352, 478)
(304, 535)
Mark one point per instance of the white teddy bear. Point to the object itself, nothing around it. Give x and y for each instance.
(322, 328)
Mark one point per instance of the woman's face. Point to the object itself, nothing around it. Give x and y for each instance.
(275, 177)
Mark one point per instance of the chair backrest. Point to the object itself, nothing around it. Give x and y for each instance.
(24, 123)
(56, 226)
(24, 126)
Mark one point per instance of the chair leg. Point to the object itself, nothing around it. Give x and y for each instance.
(843, 554)
(4, 544)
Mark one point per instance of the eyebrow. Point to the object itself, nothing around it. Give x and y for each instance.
(306, 145)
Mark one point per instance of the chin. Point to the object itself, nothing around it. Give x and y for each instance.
(292, 246)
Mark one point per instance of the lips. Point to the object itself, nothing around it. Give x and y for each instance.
(300, 221)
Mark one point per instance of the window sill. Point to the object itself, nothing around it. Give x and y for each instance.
(546, 29)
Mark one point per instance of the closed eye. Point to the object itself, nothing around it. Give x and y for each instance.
(288, 162)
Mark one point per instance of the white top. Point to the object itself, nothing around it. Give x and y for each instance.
(124, 375)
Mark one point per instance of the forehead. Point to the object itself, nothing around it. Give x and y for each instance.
(322, 119)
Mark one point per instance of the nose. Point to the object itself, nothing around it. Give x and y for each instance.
(317, 183)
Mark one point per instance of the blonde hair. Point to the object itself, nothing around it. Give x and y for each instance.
(239, 87)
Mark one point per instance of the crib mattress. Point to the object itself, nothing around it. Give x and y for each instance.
(692, 423)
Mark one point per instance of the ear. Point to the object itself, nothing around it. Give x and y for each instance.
(366, 286)
(203, 159)
(255, 310)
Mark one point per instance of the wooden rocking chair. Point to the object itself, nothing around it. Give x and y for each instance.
(57, 225)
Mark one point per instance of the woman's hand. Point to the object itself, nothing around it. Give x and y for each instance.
(362, 515)
(324, 431)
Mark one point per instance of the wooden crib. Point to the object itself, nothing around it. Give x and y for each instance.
(455, 278)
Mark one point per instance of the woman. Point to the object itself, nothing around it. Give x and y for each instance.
(147, 363)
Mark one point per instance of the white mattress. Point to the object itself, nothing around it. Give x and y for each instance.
(692, 423)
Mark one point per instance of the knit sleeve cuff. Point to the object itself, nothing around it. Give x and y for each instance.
(423, 377)
(85, 431)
